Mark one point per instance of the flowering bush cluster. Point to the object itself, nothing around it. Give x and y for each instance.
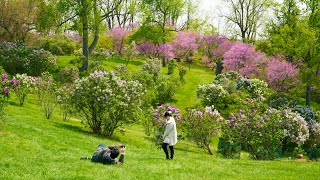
(6, 87)
(17, 58)
(158, 120)
(201, 125)
(26, 86)
(107, 101)
(261, 132)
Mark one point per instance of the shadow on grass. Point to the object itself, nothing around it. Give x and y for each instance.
(13, 103)
(80, 130)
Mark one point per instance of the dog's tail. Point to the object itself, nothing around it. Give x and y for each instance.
(85, 158)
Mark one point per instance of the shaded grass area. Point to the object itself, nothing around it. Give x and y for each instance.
(33, 147)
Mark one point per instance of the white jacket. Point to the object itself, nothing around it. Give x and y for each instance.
(170, 132)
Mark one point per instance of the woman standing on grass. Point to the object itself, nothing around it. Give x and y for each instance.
(170, 135)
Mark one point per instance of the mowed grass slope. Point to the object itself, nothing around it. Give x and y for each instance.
(32, 147)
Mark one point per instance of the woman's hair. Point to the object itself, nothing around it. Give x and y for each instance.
(114, 153)
(167, 113)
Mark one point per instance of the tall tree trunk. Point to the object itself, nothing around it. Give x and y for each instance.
(219, 67)
(164, 62)
(85, 35)
(96, 27)
(308, 95)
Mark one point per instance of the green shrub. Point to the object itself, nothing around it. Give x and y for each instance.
(182, 73)
(68, 75)
(171, 66)
(57, 45)
(201, 125)
(166, 87)
(229, 149)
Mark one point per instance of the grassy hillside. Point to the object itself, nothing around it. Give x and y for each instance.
(32, 147)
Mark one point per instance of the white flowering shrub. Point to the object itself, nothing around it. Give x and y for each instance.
(212, 94)
(201, 125)
(255, 87)
(296, 128)
(26, 86)
(107, 101)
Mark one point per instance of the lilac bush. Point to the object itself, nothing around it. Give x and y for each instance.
(45, 88)
(107, 101)
(64, 101)
(262, 131)
(213, 94)
(201, 125)
(26, 86)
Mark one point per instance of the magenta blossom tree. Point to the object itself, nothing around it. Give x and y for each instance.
(186, 44)
(281, 74)
(207, 45)
(118, 36)
(148, 49)
(218, 53)
(164, 50)
(243, 59)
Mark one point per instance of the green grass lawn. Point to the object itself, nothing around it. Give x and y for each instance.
(32, 147)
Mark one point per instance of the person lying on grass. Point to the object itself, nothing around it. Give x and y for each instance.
(108, 154)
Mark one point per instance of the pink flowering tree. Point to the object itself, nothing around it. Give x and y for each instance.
(186, 45)
(207, 45)
(218, 53)
(148, 49)
(243, 59)
(118, 36)
(281, 74)
(164, 50)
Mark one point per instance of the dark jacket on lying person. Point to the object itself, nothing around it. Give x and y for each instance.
(108, 155)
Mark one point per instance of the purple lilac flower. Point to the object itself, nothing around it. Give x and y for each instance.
(4, 77)
(12, 82)
(5, 90)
